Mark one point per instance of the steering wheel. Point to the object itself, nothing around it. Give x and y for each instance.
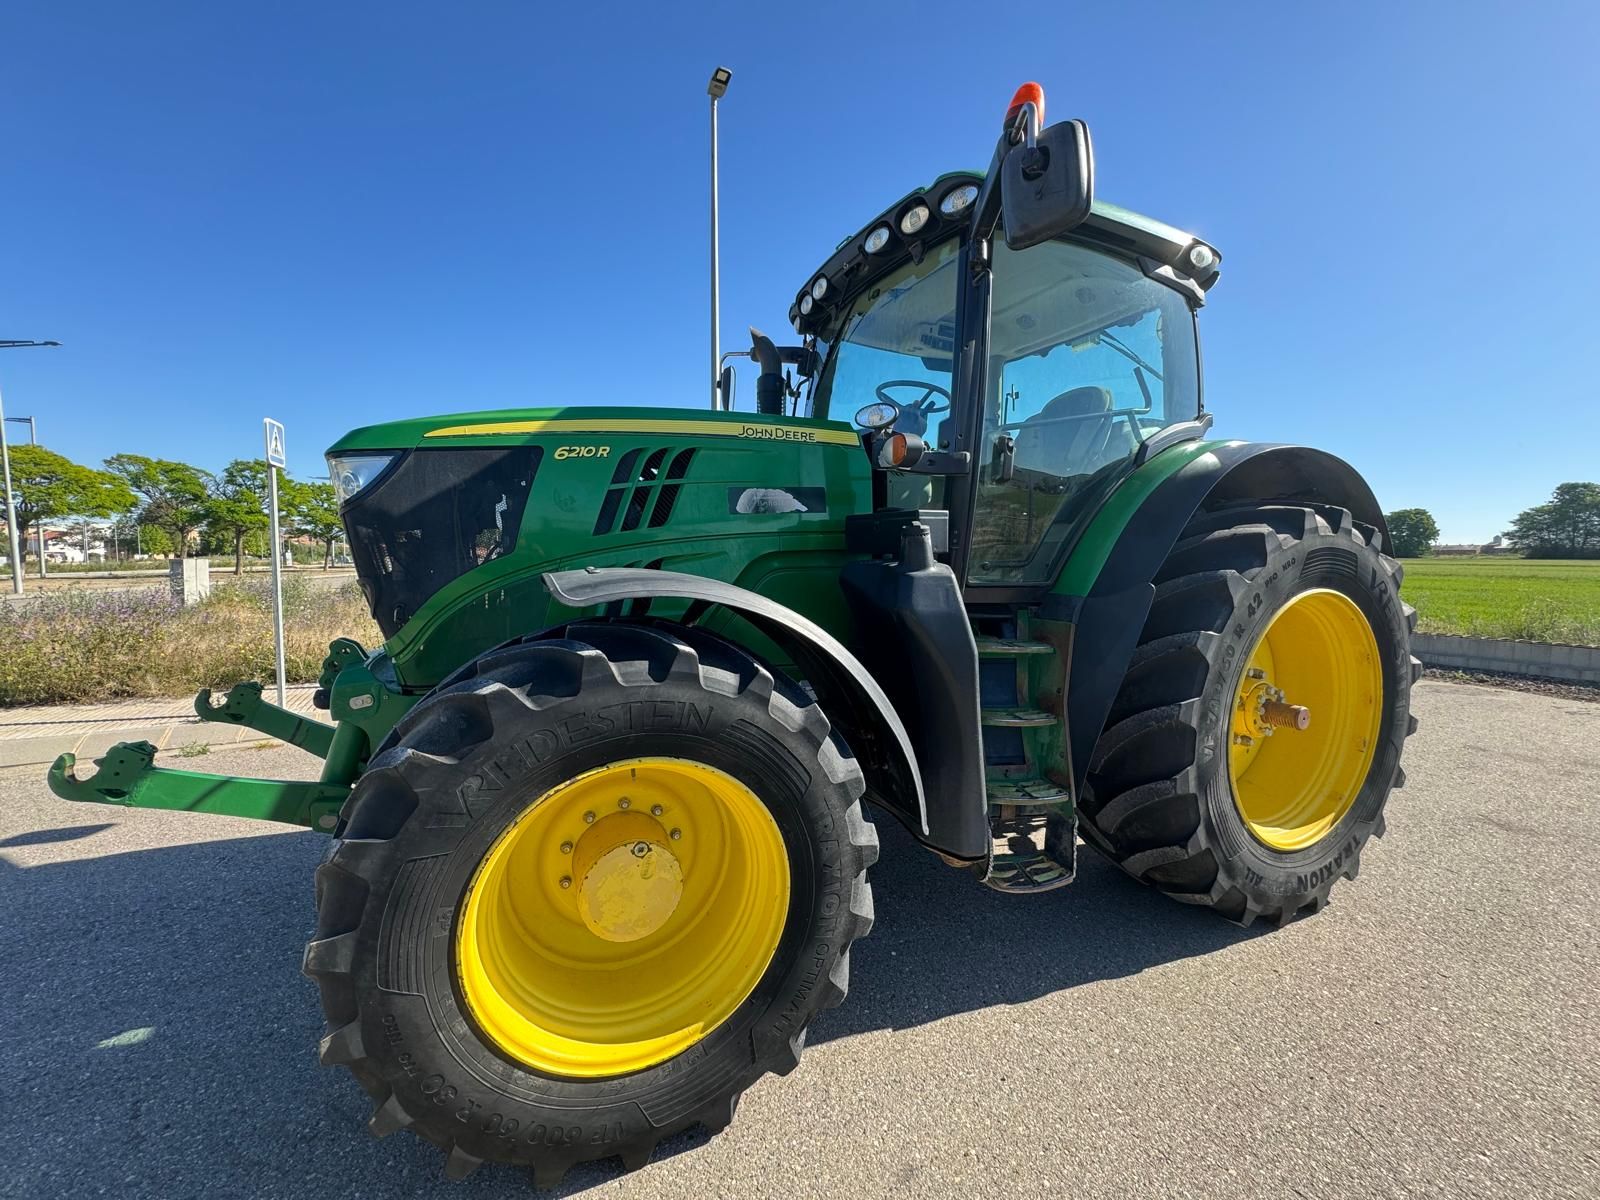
(921, 409)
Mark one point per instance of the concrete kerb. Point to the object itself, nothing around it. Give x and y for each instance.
(1543, 660)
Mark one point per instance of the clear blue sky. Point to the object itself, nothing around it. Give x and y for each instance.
(340, 213)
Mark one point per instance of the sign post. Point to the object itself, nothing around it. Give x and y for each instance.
(276, 459)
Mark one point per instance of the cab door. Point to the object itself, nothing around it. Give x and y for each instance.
(1088, 357)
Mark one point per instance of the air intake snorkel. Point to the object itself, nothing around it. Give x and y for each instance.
(770, 387)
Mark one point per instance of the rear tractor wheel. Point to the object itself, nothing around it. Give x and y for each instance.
(589, 891)
(1257, 735)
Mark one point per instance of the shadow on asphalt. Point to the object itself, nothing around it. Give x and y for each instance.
(49, 837)
(186, 960)
(945, 944)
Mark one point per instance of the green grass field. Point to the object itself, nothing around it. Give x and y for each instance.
(1535, 599)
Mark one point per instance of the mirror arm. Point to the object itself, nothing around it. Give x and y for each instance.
(986, 212)
(1025, 129)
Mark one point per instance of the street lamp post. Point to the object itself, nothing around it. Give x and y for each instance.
(5, 462)
(716, 89)
(33, 440)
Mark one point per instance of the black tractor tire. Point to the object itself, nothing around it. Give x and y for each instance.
(450, 778)
(1158, 800)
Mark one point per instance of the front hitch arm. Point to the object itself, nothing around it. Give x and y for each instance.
(128, 776)
(243, 705)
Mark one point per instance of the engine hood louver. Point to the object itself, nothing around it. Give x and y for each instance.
(643, 483)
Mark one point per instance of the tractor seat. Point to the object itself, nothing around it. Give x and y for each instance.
(1067, 437)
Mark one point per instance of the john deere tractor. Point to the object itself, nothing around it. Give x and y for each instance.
(599, 845)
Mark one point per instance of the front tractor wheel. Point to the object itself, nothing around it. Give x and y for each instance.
(589, 891)
(1257, 735)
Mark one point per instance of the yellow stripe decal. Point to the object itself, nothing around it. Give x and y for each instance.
(748, 429)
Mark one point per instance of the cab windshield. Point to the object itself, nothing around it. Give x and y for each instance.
(897, 338)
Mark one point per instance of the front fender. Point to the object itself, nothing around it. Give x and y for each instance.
(854, 702)
(1109, 599)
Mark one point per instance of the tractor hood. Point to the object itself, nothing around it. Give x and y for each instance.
(544, 425)
(454, 517)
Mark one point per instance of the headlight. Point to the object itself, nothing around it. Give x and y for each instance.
(876, 240)
(1202, 256)
(352, 472)
(958, 199)
(806, 304)
(819, 287)
(913, 219)
(880, 415)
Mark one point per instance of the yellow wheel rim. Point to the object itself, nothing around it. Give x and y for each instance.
(622, 917)
(1305, 720)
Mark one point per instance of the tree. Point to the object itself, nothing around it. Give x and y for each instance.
(1567, 527)
(238, 507)
(48, 485)
(152, 539)
(174, 493)
(314, 512)
(1412, 532)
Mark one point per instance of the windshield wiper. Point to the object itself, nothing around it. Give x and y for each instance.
(1129, 355)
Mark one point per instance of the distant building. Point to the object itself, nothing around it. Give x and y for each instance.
(1465, 549)
(70, 546)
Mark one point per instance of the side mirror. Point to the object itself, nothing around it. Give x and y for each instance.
(1046, 189)
(1003, 461)
(725, 387)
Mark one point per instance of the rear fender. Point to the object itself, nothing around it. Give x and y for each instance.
(1109, 616)
(852, 699)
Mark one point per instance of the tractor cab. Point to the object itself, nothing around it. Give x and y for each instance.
(1089, 354)
(1010, 381)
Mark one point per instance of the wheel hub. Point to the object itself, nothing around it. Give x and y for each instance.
(1263, 708)
(629, 881)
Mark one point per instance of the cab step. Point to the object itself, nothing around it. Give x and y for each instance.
(1023, 860)
(992, 647)
(1032, 795)
(1019, 718)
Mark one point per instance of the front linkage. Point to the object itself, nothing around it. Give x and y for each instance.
(128, 776)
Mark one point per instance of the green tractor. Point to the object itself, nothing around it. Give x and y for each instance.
(599, 850)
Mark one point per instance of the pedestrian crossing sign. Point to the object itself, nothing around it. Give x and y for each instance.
(275, 454)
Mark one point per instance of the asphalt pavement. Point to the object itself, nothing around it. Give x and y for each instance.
(1434, 1033)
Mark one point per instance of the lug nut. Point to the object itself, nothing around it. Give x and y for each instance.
(675, 834)
(566, 847)
(588, 818)
(656, 810)
(1243, 739)
(624, 803)
(566, 881)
